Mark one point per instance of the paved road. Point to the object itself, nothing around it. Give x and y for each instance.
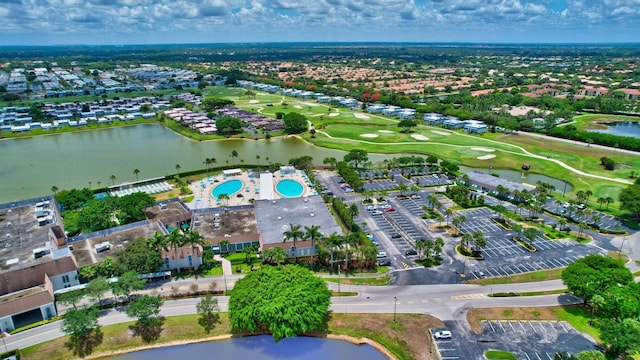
(447, 302)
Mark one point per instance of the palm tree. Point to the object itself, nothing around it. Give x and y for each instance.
(54, 189)
(479, 241)
(234, 154)
(588, 194)
(207, 163)
(601, 201)
(258, 159)
(224, 198)
(294, 234)
(448, 213)
(349, 240)
(562, 222)
(465, 240)
(175, 239)
(402, 187)
(353, 210)
(582, 225)
(332, 241)
(312, 233)
(178, 168)
(608, 200)
(193, 238)
(158, 242)
(136, 172)
(113, 179)
(89, 185)
(99, 183)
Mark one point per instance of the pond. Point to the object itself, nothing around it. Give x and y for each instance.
(29, 167)
(263, 347)
(622, 128)
(523, 177)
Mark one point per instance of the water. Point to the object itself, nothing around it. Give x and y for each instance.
(529, 178)
(289, 188)
(29, 167)
(622, 128)
(228, 187)
(263, 348)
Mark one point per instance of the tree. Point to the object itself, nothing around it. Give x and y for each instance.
(175, 239)
(285, 301)
(70, 298)
(83, 329)
(209, 313)
(331, 161)
(479, 241)
(294, 234)
(630, 200)
(136, 172)
(275, 255)
(407, 124)
(138, 257)
(530, 234)
(601, 201)
(356, 157)
(349, 241)
(224, 198)
(211, 103)
(113, 179)
(229, 125)
(127, 283)
(590, 355)
(158, 242)
(97, 287)
(623, 337)
(333, 241)
(193, 239)
(54, 189)
(312, 233)
(594, 274)
(178, 168)
(295, 123)
(146, 309)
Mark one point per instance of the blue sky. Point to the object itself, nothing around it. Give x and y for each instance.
(56, 22)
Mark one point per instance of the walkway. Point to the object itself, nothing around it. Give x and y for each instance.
(226, 265)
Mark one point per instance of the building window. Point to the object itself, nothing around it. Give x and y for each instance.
(65, 279)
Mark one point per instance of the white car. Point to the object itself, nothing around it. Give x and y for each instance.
(442, 335)
(382, 254)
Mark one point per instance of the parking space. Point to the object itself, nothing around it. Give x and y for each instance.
(504, 257)
(379, 185)
(535, 339)
(431, 180)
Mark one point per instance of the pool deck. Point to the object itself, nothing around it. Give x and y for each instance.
(251, 188)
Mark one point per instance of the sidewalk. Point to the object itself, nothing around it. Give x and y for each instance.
(226, 265)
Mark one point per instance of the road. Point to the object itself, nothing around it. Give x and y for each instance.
(447, 302)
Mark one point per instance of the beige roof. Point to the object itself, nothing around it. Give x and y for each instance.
(33, 276)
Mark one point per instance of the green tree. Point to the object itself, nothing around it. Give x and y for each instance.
(593, 275)
(54, 189)
(209, 313)
(211, 103)
(294, 234)
(146, 309)
(83, 329)
(590, 355)
(530, 234)
(138, 257)
(407, 124)
(176, 239)
(275, 255)
(113, 179)
(312, 233)
(295, 123)
(97, 287)
(136, 172)
(127, 283)
(356, 157)
(70, 298)
(623, 337)
(285, 301)
(229, 125)
(630, 200)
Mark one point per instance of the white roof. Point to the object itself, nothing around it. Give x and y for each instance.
(232, 172)
(266, 186)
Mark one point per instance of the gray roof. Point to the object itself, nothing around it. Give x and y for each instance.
(490, 181)
(274, 216)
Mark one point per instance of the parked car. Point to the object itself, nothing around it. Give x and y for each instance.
(480, 273)
(381, 254)
(442, 335)
(411, 252)
(384, 262)
(396, 236)
(376, 212)
(389, 209)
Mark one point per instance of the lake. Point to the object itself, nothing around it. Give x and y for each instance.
(263, 347)
(29, 167)
(528, 178)
(622, 128)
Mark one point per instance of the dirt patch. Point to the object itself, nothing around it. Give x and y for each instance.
(361, 116)
(385, 131)
(371, 136)
(334, 114)
(440, 132)
(254, 101)
(474, 316)
(419, 137)
(486, 157)
(483, 149)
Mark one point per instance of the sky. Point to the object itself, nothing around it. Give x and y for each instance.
(116, 22)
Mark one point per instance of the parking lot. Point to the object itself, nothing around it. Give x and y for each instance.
(527, 339)
(503, 256)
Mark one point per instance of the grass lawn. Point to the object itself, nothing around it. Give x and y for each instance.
(406, 338)
(376, 281)
(534, 276)
(499, 355)
(594, 121)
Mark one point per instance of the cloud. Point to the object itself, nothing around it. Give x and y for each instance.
(214, 8)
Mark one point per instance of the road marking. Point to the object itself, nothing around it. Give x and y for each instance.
(469, 296)
(410, 302)
(425, 301)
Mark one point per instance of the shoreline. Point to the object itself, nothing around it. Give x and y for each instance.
(350, 339)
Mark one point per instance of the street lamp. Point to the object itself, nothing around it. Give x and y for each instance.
(395, 303)
(621, 245)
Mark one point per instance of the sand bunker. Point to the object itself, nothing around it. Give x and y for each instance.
(309, 104)
(297, 106)
(483, 149)
(385, 131)
(486, 157)
(254, 101)
(419, 137)
(440, 132)
(369, 135)
(334, 114)
(361, 116)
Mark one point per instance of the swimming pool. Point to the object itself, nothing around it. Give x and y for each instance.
(289, 188)
(228, 187)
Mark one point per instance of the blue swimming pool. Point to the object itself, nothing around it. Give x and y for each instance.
(289, 188)
(228, 187)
